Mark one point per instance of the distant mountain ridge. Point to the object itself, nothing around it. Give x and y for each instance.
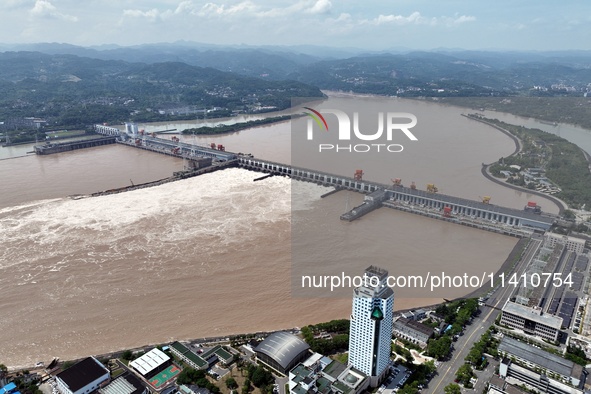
(71, 85)
(357, 69)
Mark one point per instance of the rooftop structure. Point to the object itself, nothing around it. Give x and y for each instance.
(539, 359)
(315, 375)
(541, 380)
(412, 330)
(150, 362)
(125, 385)
(192, 389)
(219, 352)
(531, 320)
(10, 388)
(572, 244)
(83, 377)
(282, 351)
(190, 358)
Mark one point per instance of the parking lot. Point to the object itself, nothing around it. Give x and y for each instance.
(218, 372)
(395, 380)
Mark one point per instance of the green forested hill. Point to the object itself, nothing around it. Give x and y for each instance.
(75, 91)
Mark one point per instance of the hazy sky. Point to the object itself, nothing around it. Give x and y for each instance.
(372, 24)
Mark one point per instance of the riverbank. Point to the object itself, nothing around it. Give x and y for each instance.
(232, 128)
(552, 111)
(562, 206)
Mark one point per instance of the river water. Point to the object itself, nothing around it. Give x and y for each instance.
(212, 255)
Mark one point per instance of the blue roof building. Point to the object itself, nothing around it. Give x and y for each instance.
(10, 388)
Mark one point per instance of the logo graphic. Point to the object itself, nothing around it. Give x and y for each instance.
(348, 129)
(317, 117)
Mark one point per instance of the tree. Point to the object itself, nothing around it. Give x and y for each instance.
(127, 355)
(463, 316)
(452, 388)
(261, 377)
(409, 389)
(246, 388)
(568, 214)
(190, 375)
(430, 367)
(464, 373)
(439, 348)
(231, 383)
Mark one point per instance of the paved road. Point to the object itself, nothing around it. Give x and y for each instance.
(447, 370)
(485, 375)
(281, 381)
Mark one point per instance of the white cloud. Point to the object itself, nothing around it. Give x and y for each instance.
(301, 6)
(321, 7)
(245, 8)
(151, 15)
(458, 19)
(344, 17)
(283, 11)
(211, 9)
(417, 19)
(44, 9)
(186, 7)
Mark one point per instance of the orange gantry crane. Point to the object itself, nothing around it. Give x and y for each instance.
(396, 181)
(431, 188)
(358, 176)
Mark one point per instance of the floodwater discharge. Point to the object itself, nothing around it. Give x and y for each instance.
(211, 255)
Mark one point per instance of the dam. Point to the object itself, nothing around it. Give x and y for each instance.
(478, 214)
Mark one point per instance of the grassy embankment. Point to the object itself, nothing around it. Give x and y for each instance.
(222, 129)
(565, 163)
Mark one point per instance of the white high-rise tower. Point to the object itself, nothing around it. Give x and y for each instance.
(370, 335)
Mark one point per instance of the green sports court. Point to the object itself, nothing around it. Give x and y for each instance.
(162, 377)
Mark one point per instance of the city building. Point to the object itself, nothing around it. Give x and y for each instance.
(572, 244)
(518, 375)
(187, 356)
(10, 388)
(83, 377)
(371, 325)
(412, 331)
(151, 363)
(282, 351)
(127, 384)
(546, 366)
(320, 374)
(192, 389)
(218, 353)
(531, 321)
(509, 389)
(417, 314)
